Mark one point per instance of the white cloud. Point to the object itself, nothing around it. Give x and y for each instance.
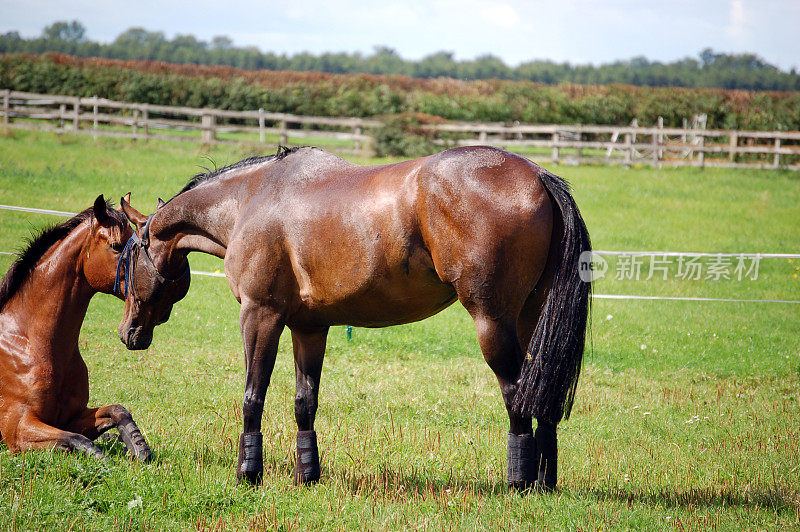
(735, 28)
(502, 15)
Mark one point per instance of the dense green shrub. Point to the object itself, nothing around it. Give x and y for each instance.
(363, 95)
(401, 135)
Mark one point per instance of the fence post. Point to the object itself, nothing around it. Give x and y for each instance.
(146, 120)
(555, 147)
(261, 133)
(702, 155)
(209, 134)
(733, 145)
(660, 139)
(284, 134)
(6, 109)
(628, 158)
(76, 121)
(777, 160)
(655, 150)
(482, 136)
(135, 123)
(61, 110)
(94, 116)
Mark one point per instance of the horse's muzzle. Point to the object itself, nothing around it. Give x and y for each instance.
(135, 338)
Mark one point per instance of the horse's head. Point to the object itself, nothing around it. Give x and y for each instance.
(109, 231)
(151, 279)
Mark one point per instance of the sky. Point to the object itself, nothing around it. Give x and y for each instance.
(577, 31)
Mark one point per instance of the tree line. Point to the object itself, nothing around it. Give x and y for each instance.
(710, 69)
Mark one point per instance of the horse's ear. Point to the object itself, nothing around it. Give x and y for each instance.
(127, 199)
(135, 217)
(160, 203)
(99, 209)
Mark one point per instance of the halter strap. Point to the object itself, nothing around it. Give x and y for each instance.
(128, 257)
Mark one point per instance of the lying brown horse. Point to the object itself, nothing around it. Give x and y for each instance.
(310, 240)
(44, 384)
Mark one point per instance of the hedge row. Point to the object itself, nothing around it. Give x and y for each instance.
(364, 95)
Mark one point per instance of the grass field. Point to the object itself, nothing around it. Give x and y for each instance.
(687, 413)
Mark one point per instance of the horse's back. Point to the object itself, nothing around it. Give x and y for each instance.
(378, 245)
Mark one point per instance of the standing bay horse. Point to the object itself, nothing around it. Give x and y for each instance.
(44, 383)
(310, 240)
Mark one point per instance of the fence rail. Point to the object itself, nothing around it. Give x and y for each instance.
(691, 145)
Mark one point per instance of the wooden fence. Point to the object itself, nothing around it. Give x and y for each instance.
(690, 145)
(102, 117)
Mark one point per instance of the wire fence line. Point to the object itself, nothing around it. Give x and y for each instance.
(763, 255)
(594, 296)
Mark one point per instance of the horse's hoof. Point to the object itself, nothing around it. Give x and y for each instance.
(145, 455)
(252, 475)
(133, 439)
(547, 457)
(521, 473)
(250, 469)
(307, 470)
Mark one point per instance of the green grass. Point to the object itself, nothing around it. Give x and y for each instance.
(687, 413)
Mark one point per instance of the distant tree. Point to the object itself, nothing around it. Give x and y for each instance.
(385, 60)
(709, 69)
(65, 31)
(221, 42)
(439, 64)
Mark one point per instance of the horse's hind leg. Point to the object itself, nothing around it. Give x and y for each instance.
(309, 352)
(95, 421)
(501, 349)
(34, 434)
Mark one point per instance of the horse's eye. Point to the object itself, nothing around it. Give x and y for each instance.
(118, 247)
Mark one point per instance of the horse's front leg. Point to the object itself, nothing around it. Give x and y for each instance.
(33, 433)
(95, 421)
(309, 352)
(261, 331)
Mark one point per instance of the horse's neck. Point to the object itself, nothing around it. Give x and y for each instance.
(52, 303)
(201, 219)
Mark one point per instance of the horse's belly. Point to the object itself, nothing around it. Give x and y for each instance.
(376, 293)
(388, 303)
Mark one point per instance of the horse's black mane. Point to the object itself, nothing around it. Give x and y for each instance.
(38, 244)
(202, 177)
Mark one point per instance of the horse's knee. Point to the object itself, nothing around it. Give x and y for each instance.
(119, 414)
(305, 407)
(252, 406)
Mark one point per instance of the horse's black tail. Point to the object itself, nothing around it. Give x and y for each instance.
(549, 376)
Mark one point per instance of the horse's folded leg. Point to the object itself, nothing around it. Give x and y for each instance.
(132, 437)
(82, 444)
(521, 461)
(547, 451)
(110, 437)
(251, 462)
(307, 470)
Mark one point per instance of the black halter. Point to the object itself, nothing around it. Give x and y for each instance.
(128, 258)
